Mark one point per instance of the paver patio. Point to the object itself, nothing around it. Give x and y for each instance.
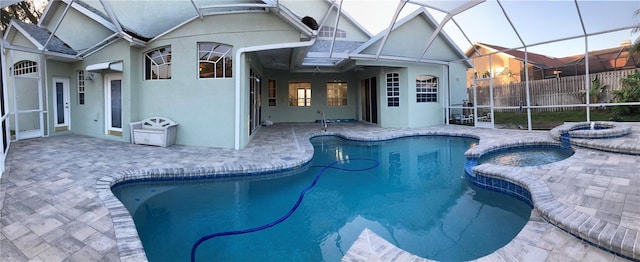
(53, 206)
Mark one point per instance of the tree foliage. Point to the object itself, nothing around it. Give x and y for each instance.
(24, 11)
(630, 92)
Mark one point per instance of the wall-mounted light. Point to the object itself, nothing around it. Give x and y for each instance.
(88, 76)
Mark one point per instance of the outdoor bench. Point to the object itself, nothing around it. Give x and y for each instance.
(156, 131)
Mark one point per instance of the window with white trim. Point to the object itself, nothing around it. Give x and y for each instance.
(393, 90)
(426, 89)
(215, 60)
(327, 31)
(337, 93)
(25, 67)
(157, 64)
(80, 79)
(300, 93)
(272, 92)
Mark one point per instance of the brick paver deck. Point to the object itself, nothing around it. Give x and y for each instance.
(56, 204)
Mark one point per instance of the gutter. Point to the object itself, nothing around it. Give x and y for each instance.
(237, 69)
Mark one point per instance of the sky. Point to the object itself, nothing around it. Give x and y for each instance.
(536, 21)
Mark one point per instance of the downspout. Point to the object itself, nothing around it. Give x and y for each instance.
(237, 70)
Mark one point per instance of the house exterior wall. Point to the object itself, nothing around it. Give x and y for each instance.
(89, 119)
(427, 113)
(215, 112)
(283, 112)
(397, 44)
(394, 116)
(77, 30)
(60, 70)
(205, 108)
(458, 84)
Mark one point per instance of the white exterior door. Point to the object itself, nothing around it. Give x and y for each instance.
(113, 104)
(61, 110)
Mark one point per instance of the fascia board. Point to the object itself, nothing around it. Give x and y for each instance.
(37, 51)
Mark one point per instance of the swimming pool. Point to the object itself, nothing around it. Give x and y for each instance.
(416, 199)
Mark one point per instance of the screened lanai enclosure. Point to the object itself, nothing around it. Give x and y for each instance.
(537, 64)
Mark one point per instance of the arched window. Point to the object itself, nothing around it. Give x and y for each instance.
(426, 88)
(25, 67)
(215, 60)
(157, 64)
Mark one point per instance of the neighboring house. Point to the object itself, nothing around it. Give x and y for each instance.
(220, 70)
(507, 66)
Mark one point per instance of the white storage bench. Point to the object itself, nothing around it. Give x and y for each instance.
(155, 131)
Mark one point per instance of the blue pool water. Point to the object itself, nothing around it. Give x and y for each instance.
(526, 156)
(416, 199)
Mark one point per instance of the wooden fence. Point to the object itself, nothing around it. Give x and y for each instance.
(548, 92)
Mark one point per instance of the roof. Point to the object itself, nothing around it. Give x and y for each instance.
(41, 35)
(538, 60)
(610, 58)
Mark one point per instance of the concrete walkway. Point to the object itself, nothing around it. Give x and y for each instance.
(56, 203)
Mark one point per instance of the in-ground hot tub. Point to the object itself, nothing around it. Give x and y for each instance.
(526, 155)
(591, 130)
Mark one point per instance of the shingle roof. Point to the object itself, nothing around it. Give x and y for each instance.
(41, 35)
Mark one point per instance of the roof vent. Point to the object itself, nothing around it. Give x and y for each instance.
(310, 22)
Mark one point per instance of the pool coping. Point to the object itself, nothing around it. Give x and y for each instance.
(602, 234)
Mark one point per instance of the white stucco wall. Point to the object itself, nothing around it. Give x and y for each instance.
(77, 30)
(205, 108)
(89, 119)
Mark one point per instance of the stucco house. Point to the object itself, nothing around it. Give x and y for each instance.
(220, 69)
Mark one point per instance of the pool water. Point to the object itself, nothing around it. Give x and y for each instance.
(417, 199)
(526, 156)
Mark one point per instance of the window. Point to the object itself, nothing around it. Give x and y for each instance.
(80, 87)
(426, 89)
(25, 67)
(272, 92)
(300, 93)
(337, 93)
(327, 31)
(393, 90)
(214, 60)
(157, 64)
